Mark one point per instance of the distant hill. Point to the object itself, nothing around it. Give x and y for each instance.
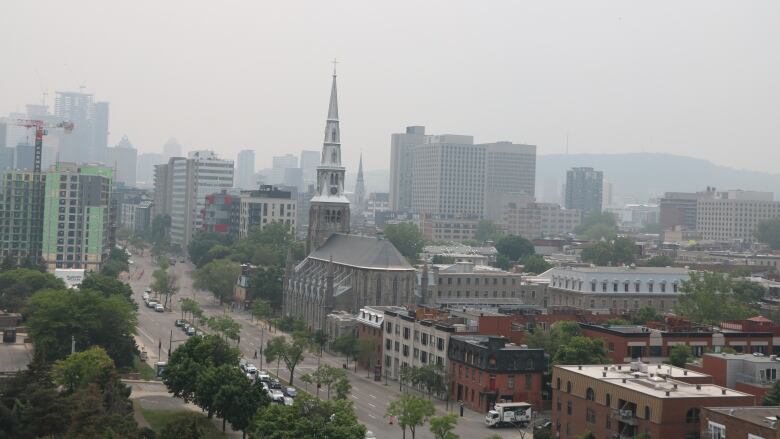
(641, 176)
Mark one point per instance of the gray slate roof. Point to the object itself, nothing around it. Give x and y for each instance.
(362, 251)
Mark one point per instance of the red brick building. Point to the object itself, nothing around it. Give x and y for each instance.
(626, 400)
(625, 343)
(753, 374)
(740, 422)
(484, 370)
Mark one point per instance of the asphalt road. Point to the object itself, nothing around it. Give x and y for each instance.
(370, 398)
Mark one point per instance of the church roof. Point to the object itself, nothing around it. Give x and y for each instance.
(362, 252)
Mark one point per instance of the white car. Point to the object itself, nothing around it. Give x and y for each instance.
(288, 400)
(370, 435)
(277, 395)
(151, 304)
(159, 308)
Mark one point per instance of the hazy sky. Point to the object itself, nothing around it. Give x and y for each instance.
(698, 78)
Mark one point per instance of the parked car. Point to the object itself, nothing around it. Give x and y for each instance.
(148, 290)
(263, 376)
(152, 304)
(545, 424)
(277, 396)
(242, 363)
(292, 392)
(275, 385)
(191, 331)
(370, 435)
(288, 400)
(179, 323)
(159, 308)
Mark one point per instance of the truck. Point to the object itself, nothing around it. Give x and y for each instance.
(509, 414)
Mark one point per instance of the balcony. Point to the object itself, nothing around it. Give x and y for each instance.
(625, 416)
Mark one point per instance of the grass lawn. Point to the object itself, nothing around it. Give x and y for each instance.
(147, 372)
(158, 418)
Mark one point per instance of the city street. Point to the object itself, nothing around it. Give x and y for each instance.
(370, 398)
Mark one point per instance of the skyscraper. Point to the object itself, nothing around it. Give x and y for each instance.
(309, 162)
(509, 168)
(401, 166)
(584, 190)
(144, 173)
(245, 170)
(329, 208)
(79, 108)
(123, 158)
(172, 149)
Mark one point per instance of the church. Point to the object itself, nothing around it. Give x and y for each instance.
(342, 272)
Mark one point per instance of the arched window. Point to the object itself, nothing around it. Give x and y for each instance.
(590, 395)
(608, 400)
(692, 416)
(568, 386)
(647, 412)
(558, 383)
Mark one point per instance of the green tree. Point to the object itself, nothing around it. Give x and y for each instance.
(108, 286)
(326, 375)
(218, 277)
(411, 411)
(660, 261)
(265, 283)
(559, 335)
(16, 286)
(343, 388)
(707, 298)
(442, 426)
(347, 345)
(82, 368)
(54, 316)
(616, 252)
(514, 247)
(406, 238)
(367, 351)
(117, 262)
(261, 309)
(319, 338)
(581, 350)
(202, 243)
(210, 381)
(747, 292)
(192, 358)
(102, 413)
(772, 397)
(291, 353)
(186, 425)
(488, 231)
(165, 283)
(307, 418)
(644, 315)
(768, 232)
(191, 307)
(226, 326)
(238, 402)
(598, 225)
(535, 264)
(679, 355)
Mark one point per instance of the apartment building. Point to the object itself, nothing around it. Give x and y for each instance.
(264, 206)
(740, 422)
(749, 373)
(468, 284)
(533, 220)
(221, 213)
(451, 228)
(626, 400)
(734, 215)
(409, 341)
(21, 215)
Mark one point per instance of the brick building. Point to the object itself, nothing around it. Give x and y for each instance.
(753, 374)
(740, 422)
(630, 342)
(370, 324)
(485, 369)
(221, 212)
(623, 401)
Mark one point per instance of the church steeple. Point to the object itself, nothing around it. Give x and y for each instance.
(360, 187)
(329, 211)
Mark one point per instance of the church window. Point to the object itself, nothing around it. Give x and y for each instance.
(333, 156)
(333, 139)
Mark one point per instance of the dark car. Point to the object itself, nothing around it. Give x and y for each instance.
(544, 425)
(275, 385)
(179, 323)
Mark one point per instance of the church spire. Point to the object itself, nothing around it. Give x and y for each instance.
(360, 187)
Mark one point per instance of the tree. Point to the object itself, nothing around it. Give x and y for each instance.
(202, 244)
(768, 232)
(772, 397)
(192, 308)
(644, 315)
(431, 377)
(660, 261)
(265, 283)
(598, 226)
(326, 375)
(616, 252)
(600, 231)
(535, 264)
(183, 425)
(165, 283)
(488, 231)
(208, 383)
(218, 277)
(442, 426)
(54, 316)
(707, 298)
(747, 292)
(238, 402)
(559, 335)
(587, 435)
(82, 368)
(581, 350)
(192, 358)
(17, 285)
(347, 345)
(319, 338)
(307, 418)
(117, 262)
(290, 353)
(108, 286)
(679, 354)
(412, 412)
(514, 247)
(229, 328)
(343, 388)
(261, 309)
(367, 351)
(406, 237)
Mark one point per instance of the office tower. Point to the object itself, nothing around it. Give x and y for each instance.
(606, 195)
(123, 159)
(144, 171)
(360, 189)
(293, 177)
(24, 156)
(264, 206)
(100, 130)
(733, 216)
(172, 149)
(448, 176)
(329, 208)
(163, 190)
(509, 168)
(245, 169)
(401, 166)
(77, 217)
(583, 190)
(7, 158)
(279, 164)
(202, 173)
(79, 108)
(21, 216)
(309, 162)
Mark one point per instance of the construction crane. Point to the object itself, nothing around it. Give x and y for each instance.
(41, 129)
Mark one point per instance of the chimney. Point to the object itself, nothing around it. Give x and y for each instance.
(722, 391)
(667, 393)
(675, 387)
(685, 371)
(624, 380)
(604, 374)
(698, 387)
(579, 367)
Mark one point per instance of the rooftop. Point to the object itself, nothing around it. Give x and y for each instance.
(760, 415)
(625, 269)
(361, 252)
(751, 358)
(655, 380)
(483, 340)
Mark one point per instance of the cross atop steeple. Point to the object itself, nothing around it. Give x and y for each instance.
(335, 61)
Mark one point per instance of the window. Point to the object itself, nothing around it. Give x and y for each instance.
(406, 333)
(608, 400)
(590, 395)
(590, 416)
(389, 327)
(568, 407)
(717, 431)
(510, 382)
(388, 344)
(692, 416)
(406, 351)
(558, 383)
(568, 387)
(529, 381)
(647, 412)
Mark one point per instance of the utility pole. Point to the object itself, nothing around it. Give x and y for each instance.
(170, 345)
(72, 344)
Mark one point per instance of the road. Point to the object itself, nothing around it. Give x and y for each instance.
(370, 398)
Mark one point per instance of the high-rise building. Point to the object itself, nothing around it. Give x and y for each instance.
(309, 162)
(448, 176)
(583, 190)
(679, 209)
(293, 177)
(221, 212)
(734, 215)
(245, 170)
(329, 208)
(144, 174)
(172, 148)
(163, 190)
(24, 156)
(77, 217)
(401, 160)
(100, 130)
(279, 164)
(123, 158)
(509, 168)
(202, 173)
(264, 206)
(79, 146)
(21, 215)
